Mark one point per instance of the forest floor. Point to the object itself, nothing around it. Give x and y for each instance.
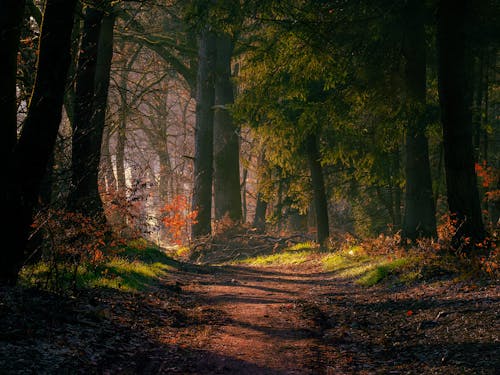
(239, 319)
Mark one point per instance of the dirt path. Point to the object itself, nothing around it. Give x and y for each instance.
(301, 321)
(242, 320)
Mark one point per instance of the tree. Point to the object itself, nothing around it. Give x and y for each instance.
(36, 142)
(420, 213)
(11, 16)
(227, 194)
(455, 98)
(203, 161)
(86, 139)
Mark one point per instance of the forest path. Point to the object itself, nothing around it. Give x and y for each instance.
(269, 322)
(301, 320)
(202, 319)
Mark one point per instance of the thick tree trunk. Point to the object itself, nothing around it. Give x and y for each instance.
(420, 212)
(318, 186)
(86, 140)
(227, 196)
(11, 17)
(39, 133)
(455, 100)
(204, 135)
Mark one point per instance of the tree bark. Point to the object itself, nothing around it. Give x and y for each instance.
(38, 135)
(86, 139)
(11, 17)
(107, 164)
(455, 101)
(204, 135)
(318, 186)
(227, 194)
(420, 212)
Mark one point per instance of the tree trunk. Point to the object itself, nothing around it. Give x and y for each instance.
(455, 100)
(102, 78)
(121, 140)
(86, 139)
(38, 136)
(396, 189)
(227, 196)
(420, 212)
(11, 17)
(204, 135)
(107, 164)
(318, 186)
(259, 220)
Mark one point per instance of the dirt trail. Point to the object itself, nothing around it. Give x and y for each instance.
(302, 321)
(265, 322)
(243, 320)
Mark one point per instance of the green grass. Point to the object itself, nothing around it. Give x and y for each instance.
(284, 258)
(133, 268)
(293, 255)
(354, 263)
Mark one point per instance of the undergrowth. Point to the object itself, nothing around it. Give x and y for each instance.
(130, 268)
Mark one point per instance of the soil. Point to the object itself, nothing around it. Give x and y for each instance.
(244, 320)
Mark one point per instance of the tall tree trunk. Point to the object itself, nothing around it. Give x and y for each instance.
(86, 139)
(204, 135)
(227, 196)
(107, 164)
(455, 100)
(318, 186)
(38, 136)
(102, 79)
(11, 17)
(420, 212)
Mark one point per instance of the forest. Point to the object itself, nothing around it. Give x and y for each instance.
(250, 187)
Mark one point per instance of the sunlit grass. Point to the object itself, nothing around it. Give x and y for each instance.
(285, 258)
(131, 269)
(308, 245)
(355, 263)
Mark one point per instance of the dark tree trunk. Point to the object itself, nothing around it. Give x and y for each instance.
(420, 212)
(86, 140)
(227, 196)
(396, 189)
(318, 186)
(38, 136)
(11, 17)
(204, 135)
(455, 100)
(259, 220)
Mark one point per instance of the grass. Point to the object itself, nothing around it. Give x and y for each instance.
(293, 255)
(369, 270)
(131, 269)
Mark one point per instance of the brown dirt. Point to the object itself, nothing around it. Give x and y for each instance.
(243, 320)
